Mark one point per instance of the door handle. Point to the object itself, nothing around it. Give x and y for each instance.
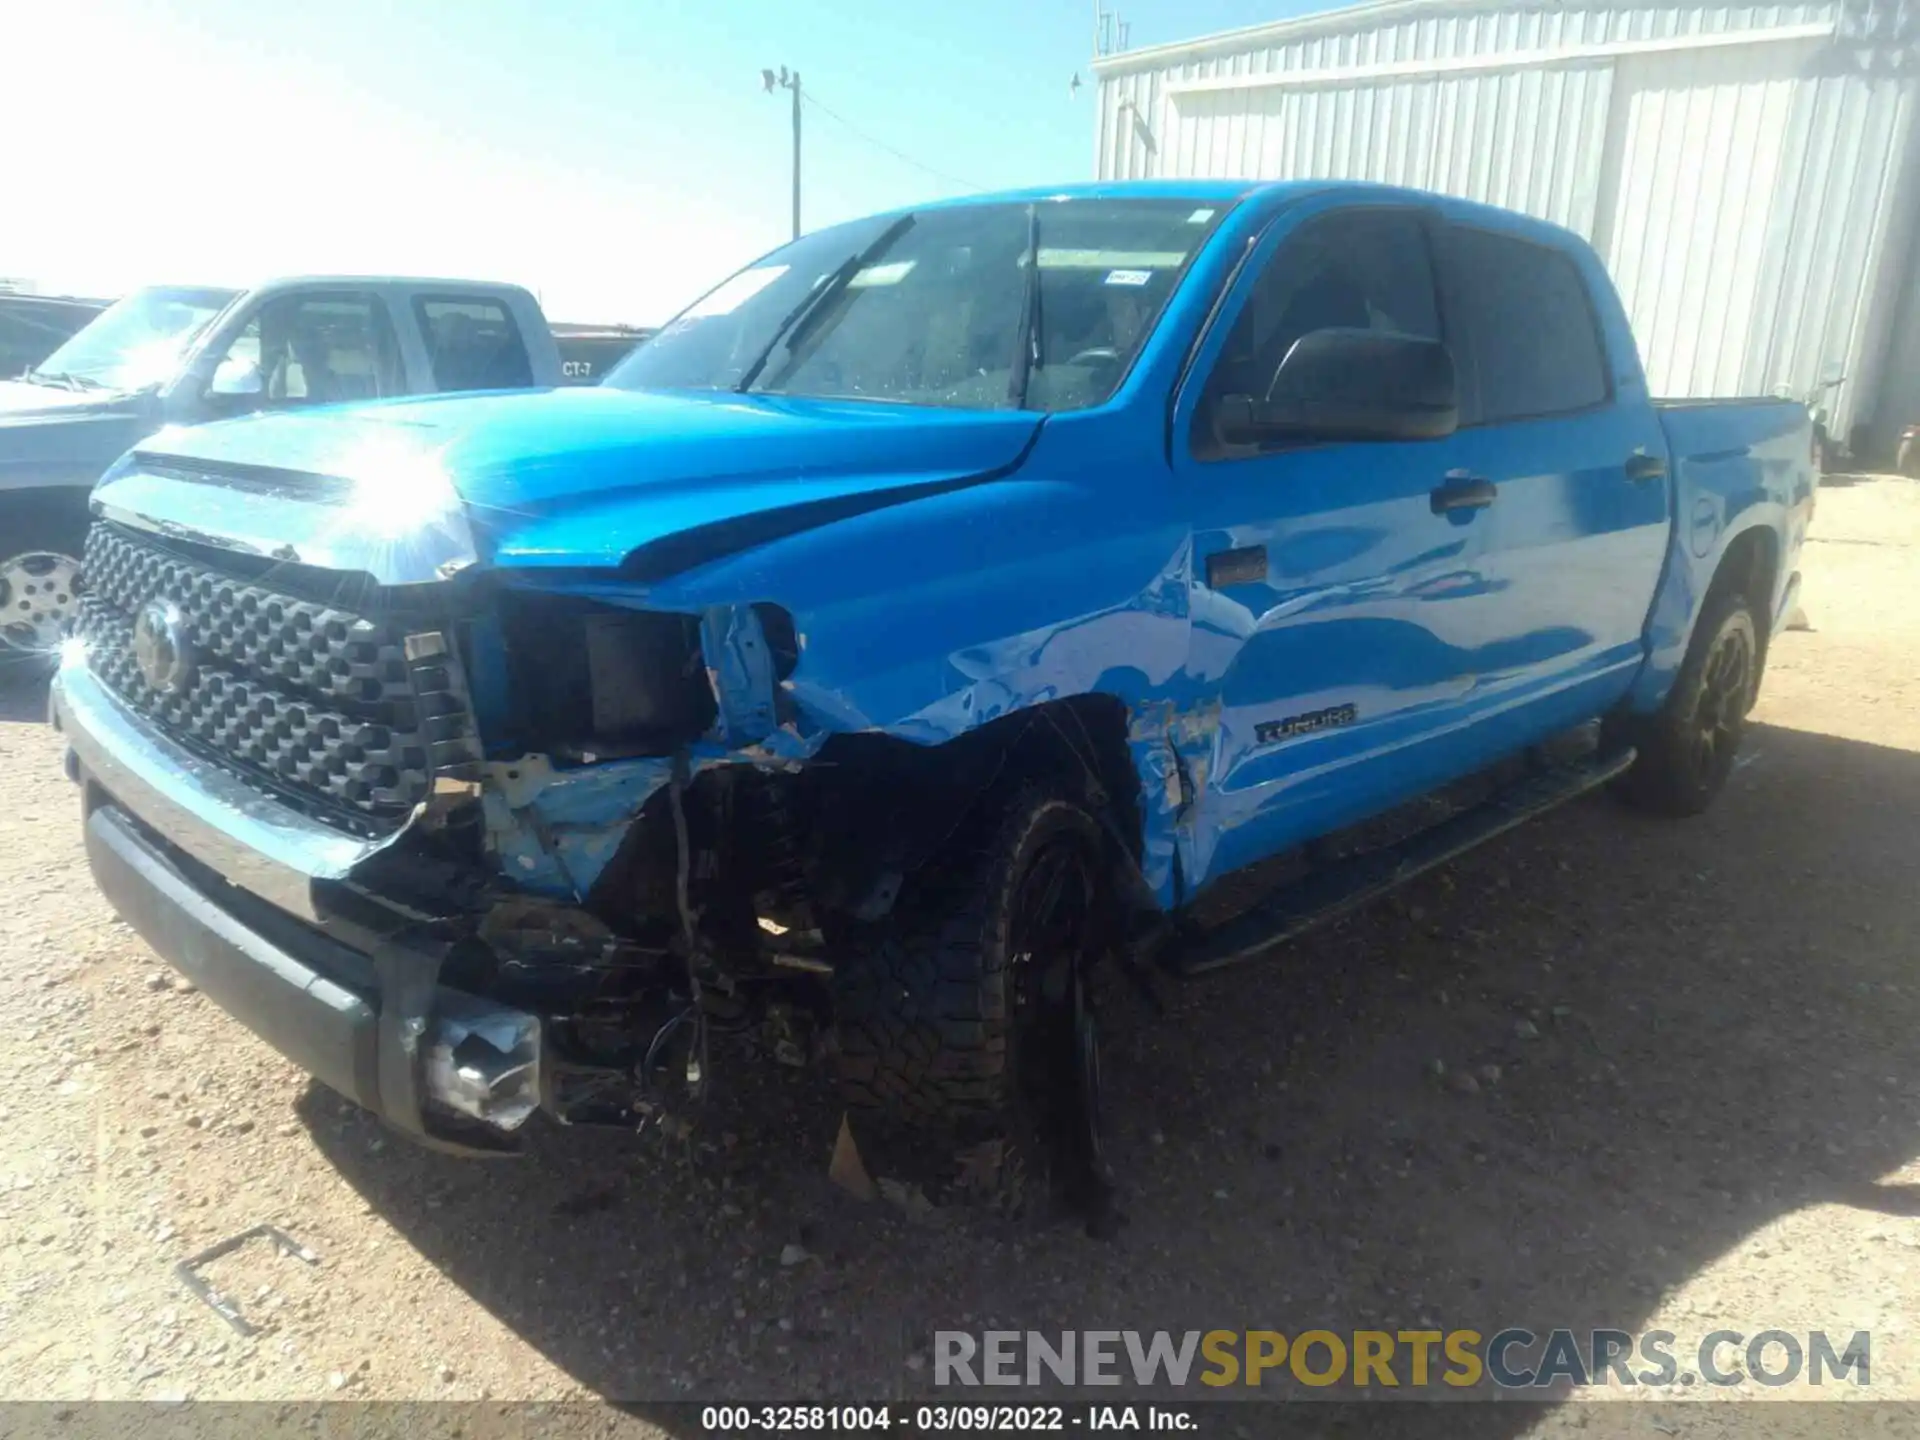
(1463, 492)
(1642, 467)
(1244, 566)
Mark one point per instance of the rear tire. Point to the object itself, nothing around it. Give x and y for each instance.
(966, 1018)
(1687, 750)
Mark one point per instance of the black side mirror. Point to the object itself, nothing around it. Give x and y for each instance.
(1350, 385)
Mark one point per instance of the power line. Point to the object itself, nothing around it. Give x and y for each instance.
(832, 114)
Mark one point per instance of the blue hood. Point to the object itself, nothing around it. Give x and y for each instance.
(589, 477)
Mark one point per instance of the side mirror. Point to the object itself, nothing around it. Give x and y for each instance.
(236, 380)
(1350, 385)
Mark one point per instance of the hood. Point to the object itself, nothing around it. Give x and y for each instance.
(52, 436)
(21, 401)
(593, 477)
(19, 398)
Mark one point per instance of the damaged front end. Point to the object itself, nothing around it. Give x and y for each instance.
(616, 827)
(464, 848)
(460, 851)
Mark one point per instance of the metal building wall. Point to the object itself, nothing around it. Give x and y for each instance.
(1466, 136)
(1746, 177)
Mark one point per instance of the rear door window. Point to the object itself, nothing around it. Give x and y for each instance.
(1533, 343)
(472, 343)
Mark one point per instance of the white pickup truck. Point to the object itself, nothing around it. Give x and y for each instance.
(180, 355)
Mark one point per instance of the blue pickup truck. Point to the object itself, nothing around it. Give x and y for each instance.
(924, 623)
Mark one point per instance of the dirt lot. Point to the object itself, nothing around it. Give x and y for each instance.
(1706, 1113)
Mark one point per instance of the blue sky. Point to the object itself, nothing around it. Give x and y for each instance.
(617, 156)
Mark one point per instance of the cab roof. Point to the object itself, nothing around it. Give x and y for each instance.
(1229, 192)
(1217, 191)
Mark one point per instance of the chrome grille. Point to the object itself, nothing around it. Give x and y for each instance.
(311, 698)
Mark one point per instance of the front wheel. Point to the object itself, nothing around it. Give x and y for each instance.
(1687, 750)
(41, 537)
(968, 1016)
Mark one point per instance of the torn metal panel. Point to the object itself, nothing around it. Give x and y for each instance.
(553, 830)
(1162, 797)
(1173, 751)
(740, 669)
(556, 830)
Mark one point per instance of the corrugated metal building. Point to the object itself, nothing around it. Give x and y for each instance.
(1748, 172)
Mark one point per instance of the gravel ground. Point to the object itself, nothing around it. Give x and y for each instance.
(1694, 1105)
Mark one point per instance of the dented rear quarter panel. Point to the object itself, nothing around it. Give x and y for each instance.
(1736, 468)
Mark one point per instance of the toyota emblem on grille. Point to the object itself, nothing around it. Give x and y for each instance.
(160, 647)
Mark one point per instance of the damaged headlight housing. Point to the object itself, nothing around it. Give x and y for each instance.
(596, 679)
(590, 677)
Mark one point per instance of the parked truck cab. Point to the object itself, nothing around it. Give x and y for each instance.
(927, 621)
(174, 355)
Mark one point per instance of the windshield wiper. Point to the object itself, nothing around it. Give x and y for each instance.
(1026, 354)
(797, 321)
(63, 379)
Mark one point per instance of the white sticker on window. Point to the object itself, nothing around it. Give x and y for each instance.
(1108, 259)
(734, 293)
(1200, 217)
(891, 273)
(1129, 277)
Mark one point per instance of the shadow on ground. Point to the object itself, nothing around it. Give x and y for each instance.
(1725, 1012)
(23, 692)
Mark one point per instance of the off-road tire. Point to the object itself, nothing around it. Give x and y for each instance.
(1678, 772)
(930, 1016)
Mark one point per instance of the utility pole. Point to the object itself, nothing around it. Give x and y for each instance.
(783, 80)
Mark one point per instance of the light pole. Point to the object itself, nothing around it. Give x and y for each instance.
(769, 82)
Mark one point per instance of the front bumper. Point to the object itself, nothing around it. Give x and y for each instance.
(315, 1002)
(210, 813)
(360, 1024)
(363, 1022)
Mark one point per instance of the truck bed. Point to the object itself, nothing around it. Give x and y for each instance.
(1719, 428)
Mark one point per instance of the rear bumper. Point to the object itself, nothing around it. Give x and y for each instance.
(355, 1022)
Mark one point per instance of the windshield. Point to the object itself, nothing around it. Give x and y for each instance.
(135, 342)
(934, 308)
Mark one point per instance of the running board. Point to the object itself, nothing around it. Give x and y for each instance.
(1347, 884)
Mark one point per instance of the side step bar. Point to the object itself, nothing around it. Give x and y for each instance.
(1347, 884)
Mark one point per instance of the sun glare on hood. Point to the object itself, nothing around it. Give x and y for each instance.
(399, 500)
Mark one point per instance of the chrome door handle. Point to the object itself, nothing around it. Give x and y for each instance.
(1463, 492)
(1642, 467)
